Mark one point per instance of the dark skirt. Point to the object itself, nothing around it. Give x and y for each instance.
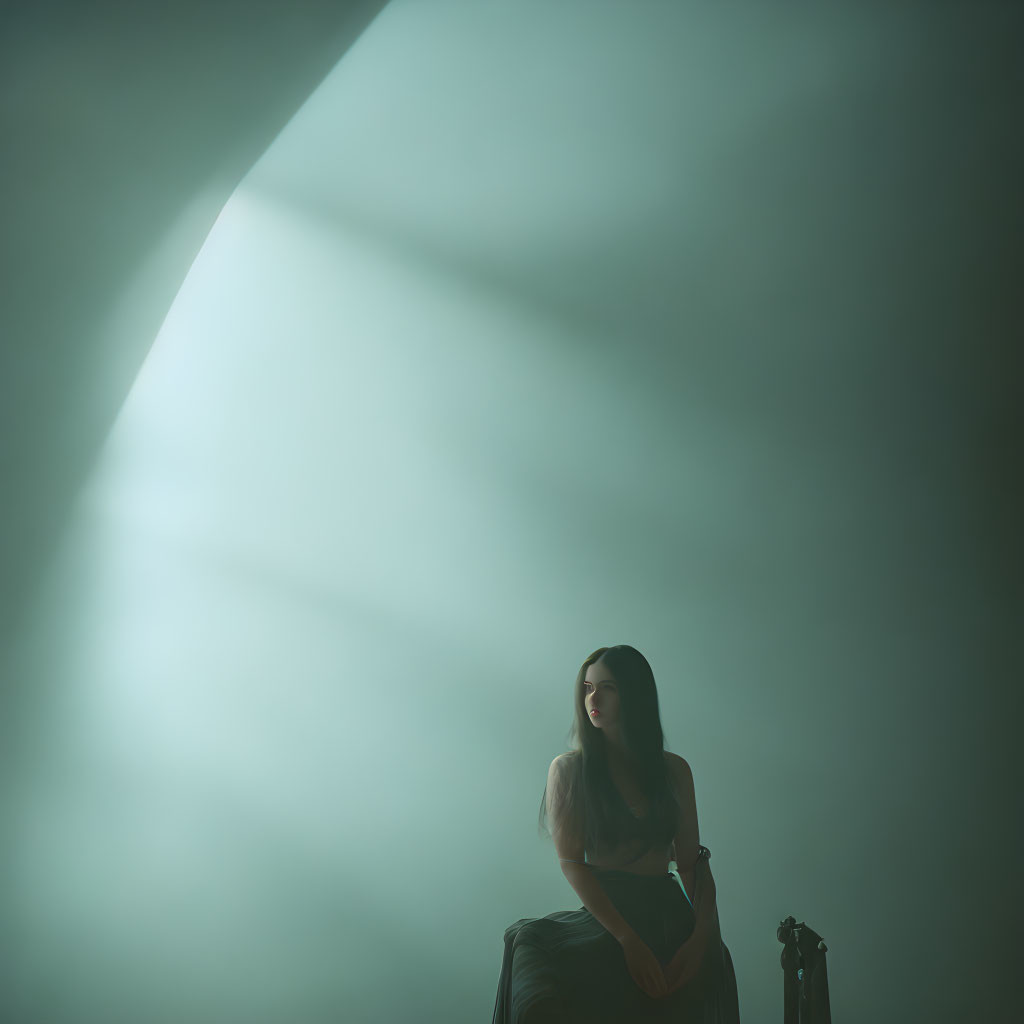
(567, 968)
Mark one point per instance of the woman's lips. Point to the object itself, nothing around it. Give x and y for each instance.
(595, 712)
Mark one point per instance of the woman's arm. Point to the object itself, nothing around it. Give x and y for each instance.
(597, 901)
(685, 964)
(704, 900)
(693, 868)
(643, 966)
(567, 833)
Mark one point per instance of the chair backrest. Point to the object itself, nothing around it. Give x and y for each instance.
(805, 975)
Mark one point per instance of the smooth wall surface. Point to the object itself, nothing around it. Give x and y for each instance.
(543, 327)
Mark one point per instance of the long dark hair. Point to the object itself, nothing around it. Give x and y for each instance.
(591, 794)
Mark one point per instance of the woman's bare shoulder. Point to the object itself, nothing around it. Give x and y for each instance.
(679, 766)
(563, 762)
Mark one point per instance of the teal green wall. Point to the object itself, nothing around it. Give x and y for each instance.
(541, 327)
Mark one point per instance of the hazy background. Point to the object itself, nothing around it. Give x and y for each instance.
(540, 327)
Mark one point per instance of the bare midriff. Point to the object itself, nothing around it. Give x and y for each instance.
(654, 862)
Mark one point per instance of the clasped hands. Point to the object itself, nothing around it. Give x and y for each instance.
(647, 972)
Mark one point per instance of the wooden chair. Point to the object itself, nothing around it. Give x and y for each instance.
(805, 976)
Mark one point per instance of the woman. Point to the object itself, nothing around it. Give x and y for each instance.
(646, 943)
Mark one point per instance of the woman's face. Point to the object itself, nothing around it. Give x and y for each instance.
(601, 695)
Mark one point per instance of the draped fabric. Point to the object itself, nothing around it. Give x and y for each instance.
(565, 968)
